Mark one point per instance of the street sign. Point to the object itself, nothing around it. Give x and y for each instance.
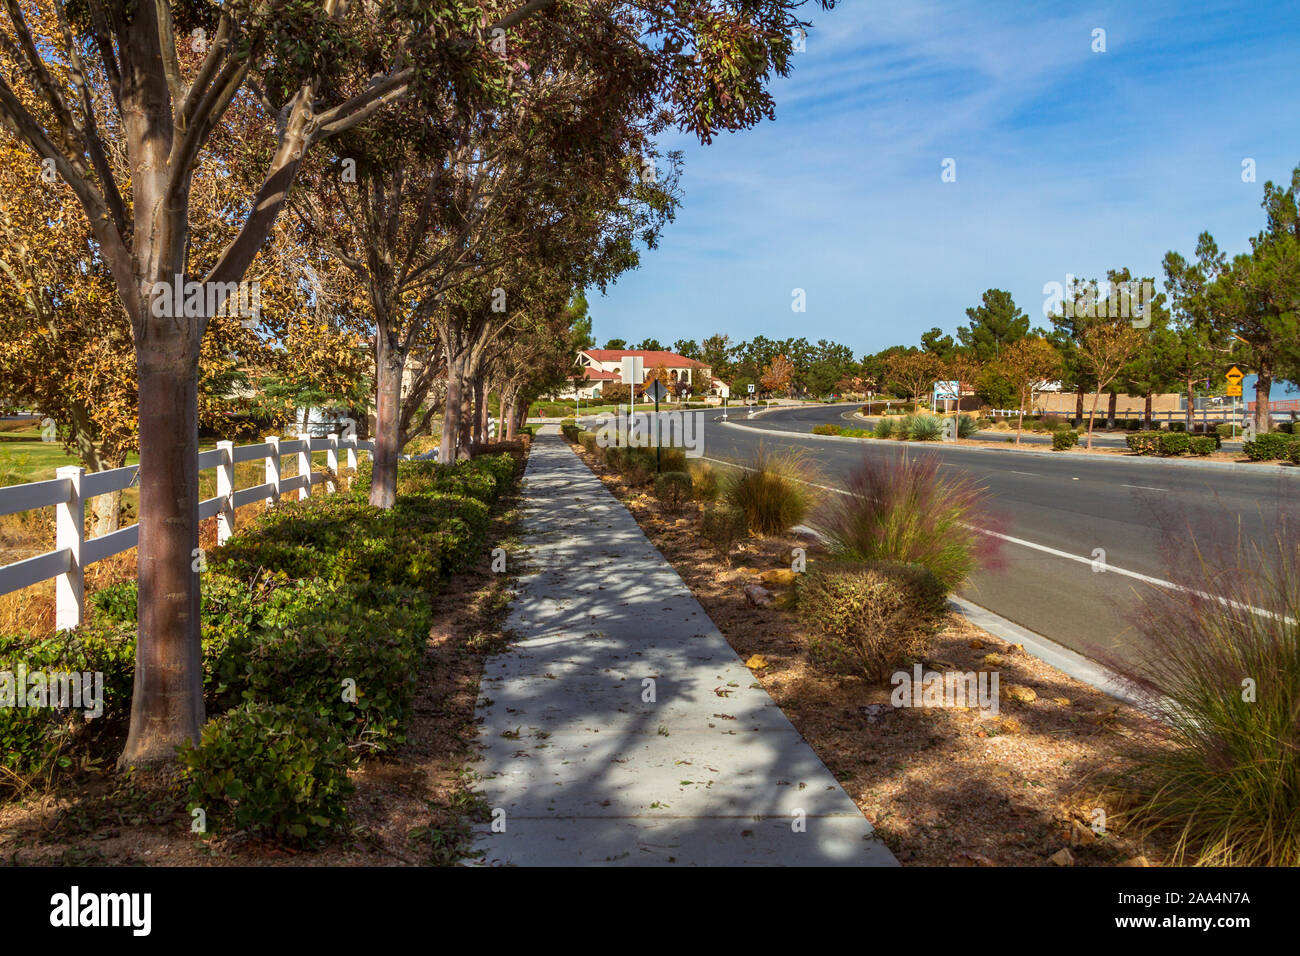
(656, 391)
(751, 389)
(1234, 376)
(1234, 388)
(946, 391)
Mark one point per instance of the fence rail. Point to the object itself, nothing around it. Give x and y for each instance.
(69, 491)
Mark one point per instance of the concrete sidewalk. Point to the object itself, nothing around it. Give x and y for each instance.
(592, 763)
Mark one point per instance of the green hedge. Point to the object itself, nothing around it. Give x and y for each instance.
(1269, 446)
(314, 621)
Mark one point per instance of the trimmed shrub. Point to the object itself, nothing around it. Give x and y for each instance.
(722, 527)
(588, 442)
(317, 641)
(884, 427)
(271, 770)
(772, 492)
(1065, 439)
(1175, 443)
(1202, 444)
(569, 429)
(1144, 443)
(1293, 452)
(874, 617)
(826, 429)
(900, 509)
(346, 541)
(615, 457)
(673, 489)
(1269, 446)
(1178, 426)
(1224, 430)
(39, 739)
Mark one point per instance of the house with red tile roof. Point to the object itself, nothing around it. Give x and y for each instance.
(606, 365)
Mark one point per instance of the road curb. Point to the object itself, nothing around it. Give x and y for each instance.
(1056, 455)
(1068, 662)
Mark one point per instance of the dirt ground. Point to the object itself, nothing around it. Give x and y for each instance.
(942, 786)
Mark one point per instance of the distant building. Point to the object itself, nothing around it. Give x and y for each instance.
(602, 366)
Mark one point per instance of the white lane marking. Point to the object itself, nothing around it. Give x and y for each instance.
(1136, 575)
(1032, 473)
(1145, 487)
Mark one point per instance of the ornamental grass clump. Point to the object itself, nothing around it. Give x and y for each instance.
(1220, 664)
(773, 491)
(901, 509)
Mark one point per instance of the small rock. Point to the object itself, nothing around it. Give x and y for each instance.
(758, 595)
(756, 662)
(991, 660)
(977, 645)
(1061, 701)
(1014, 649)
(778, 577)
(1062, 857)
(1082, 836)
(1021, 694)
(1009, 725)
(1136, 861)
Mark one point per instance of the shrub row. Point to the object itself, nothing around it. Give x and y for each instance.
(314, 620)
(1172, 443)
(1271, 446)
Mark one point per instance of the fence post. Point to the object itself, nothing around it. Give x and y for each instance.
(226, 491)
(304, 465)
(273, 470)
(69, 533)
(352, 453)
(332, 458)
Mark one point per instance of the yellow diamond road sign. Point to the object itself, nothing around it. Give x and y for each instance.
(1234, 375)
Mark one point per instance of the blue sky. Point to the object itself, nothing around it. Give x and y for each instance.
(1067, 161)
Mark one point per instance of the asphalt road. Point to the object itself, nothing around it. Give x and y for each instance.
(1060, 508)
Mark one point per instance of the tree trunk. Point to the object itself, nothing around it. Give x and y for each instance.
(1147, 411)
(107, 510)
(508, 413)
(389, 362)
(480, 412)
(1263, 409)
(1112, 407)
(464, 438)
(1020, 419)
(1092, 417)
(167, 702)
(451, 412)
(1191, 401)
(1078, 407)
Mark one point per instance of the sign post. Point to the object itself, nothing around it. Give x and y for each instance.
(947, 391)
(1234, 376)
(633, 371)
(657, 391)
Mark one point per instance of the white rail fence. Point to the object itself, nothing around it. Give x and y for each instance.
(68, 492)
